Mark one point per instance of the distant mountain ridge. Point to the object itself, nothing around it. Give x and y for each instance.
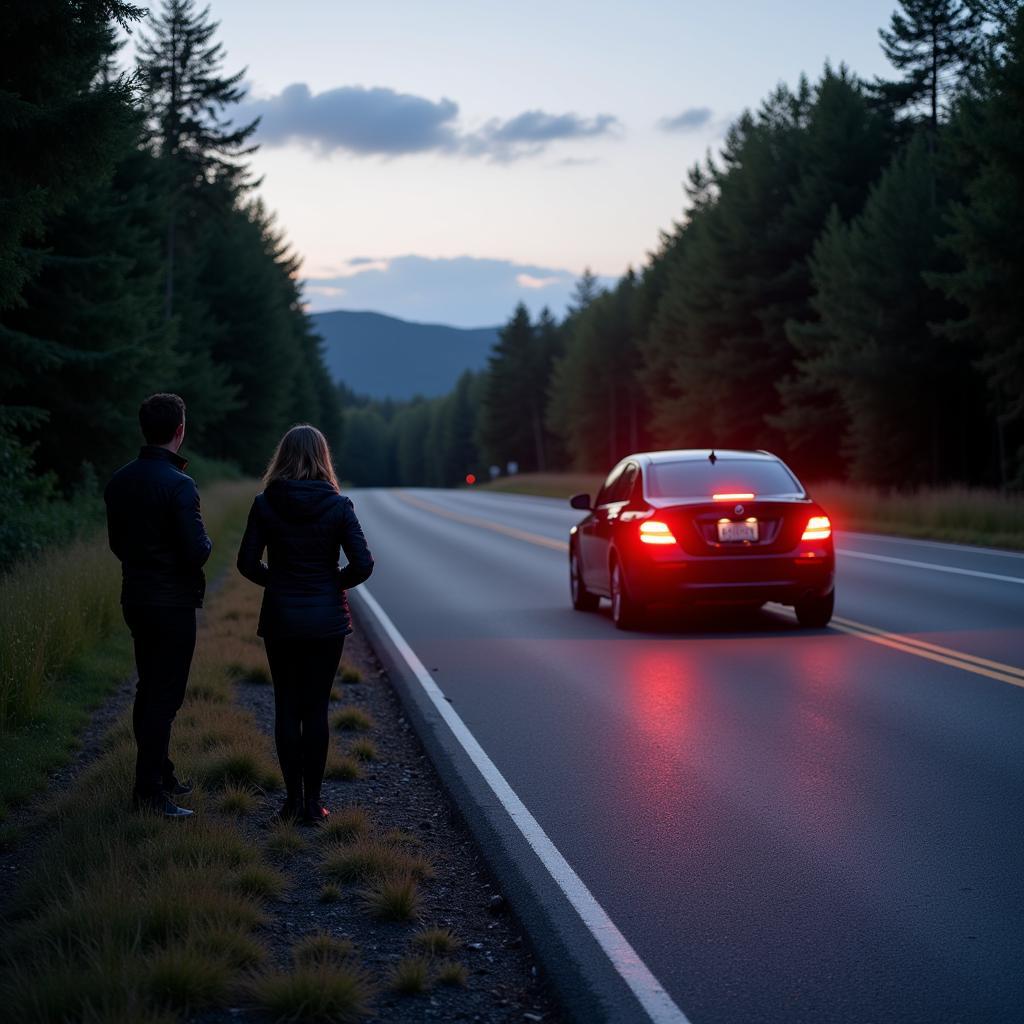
(384, 357)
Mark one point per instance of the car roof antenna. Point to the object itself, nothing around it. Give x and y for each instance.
(712, 458)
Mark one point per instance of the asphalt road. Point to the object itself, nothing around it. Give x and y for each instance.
(786, 824)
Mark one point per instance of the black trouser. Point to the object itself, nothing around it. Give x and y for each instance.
(165, 639)
(303, 670)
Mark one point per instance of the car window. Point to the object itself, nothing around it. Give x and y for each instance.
(624, 486)
(606, 494)
(702, 479)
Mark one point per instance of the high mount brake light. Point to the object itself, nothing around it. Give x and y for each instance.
(652, 531)
(818, 528)
(732, 497)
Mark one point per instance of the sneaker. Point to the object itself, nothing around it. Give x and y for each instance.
(174, 788)
(315, 813)
(290, 812)
(162, 805)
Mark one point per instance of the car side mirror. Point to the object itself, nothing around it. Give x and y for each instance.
(580, 501)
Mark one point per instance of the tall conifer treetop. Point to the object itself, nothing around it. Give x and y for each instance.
(930, 41)
(188, 97)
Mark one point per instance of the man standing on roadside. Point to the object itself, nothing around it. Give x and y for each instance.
(157, 532)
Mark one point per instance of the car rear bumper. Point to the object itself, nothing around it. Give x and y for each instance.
(786, 579)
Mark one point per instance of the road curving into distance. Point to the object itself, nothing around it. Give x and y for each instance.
(785, 824)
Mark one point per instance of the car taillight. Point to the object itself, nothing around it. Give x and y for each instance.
(818, 528)
(652, 531)
(744, 496)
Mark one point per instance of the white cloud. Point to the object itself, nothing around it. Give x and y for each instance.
(382, 122)
(690, 120)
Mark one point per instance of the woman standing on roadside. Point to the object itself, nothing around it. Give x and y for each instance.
(303, 523)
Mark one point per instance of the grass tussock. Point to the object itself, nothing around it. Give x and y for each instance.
(330, 893)
(363, 750)
(349, 673)
(239, 767)
(185, 977)
(346, 824)
(399, 837)
(393, 898)
(231, 946)
(369, 859)
(352, 719)
(436, 941)
(411, 976)
(238, 800)
(284, 840)
(322, 948)
(451, 972)
(316, 992)
(343, 768)
(259, 881)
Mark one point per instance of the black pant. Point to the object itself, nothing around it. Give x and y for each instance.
(165, 639)
(303, 670)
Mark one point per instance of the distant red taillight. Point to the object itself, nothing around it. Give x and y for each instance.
(652, 531)
(818, 528)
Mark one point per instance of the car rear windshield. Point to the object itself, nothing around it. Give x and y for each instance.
(727, 476)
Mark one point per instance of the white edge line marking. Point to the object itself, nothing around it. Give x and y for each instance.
(634, 972)
(930, 565)
(891, 538)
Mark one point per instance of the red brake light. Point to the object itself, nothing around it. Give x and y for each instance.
(732, 497)
(654, 532)
(818, 528)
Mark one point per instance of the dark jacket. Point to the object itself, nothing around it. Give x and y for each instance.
(156, 530)
(304, 525)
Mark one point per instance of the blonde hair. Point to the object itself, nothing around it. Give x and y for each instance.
(302, 454)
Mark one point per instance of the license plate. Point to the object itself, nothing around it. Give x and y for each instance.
(737, 531)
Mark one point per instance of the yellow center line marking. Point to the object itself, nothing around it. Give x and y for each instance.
(485, 524)
(948, 652)
(897, 641)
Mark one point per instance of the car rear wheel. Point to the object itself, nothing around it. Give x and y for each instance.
(815, 612)
(626, 613)
(582, 599)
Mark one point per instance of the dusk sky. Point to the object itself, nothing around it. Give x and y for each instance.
(439, 161)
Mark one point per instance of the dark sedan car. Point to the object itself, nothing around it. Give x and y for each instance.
(700, 526)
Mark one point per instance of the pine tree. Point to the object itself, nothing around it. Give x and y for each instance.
(61, 125)
(594, 395)
(513, 397)
(986, 240)
(187, 101)
(931, 42)
(907, 395)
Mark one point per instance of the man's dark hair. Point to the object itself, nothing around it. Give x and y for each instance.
(160, 416)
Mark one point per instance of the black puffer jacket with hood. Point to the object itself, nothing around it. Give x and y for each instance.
(304, 525)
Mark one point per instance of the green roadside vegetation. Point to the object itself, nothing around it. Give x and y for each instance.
(125, 917)
(64, 646)
(960, 515)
